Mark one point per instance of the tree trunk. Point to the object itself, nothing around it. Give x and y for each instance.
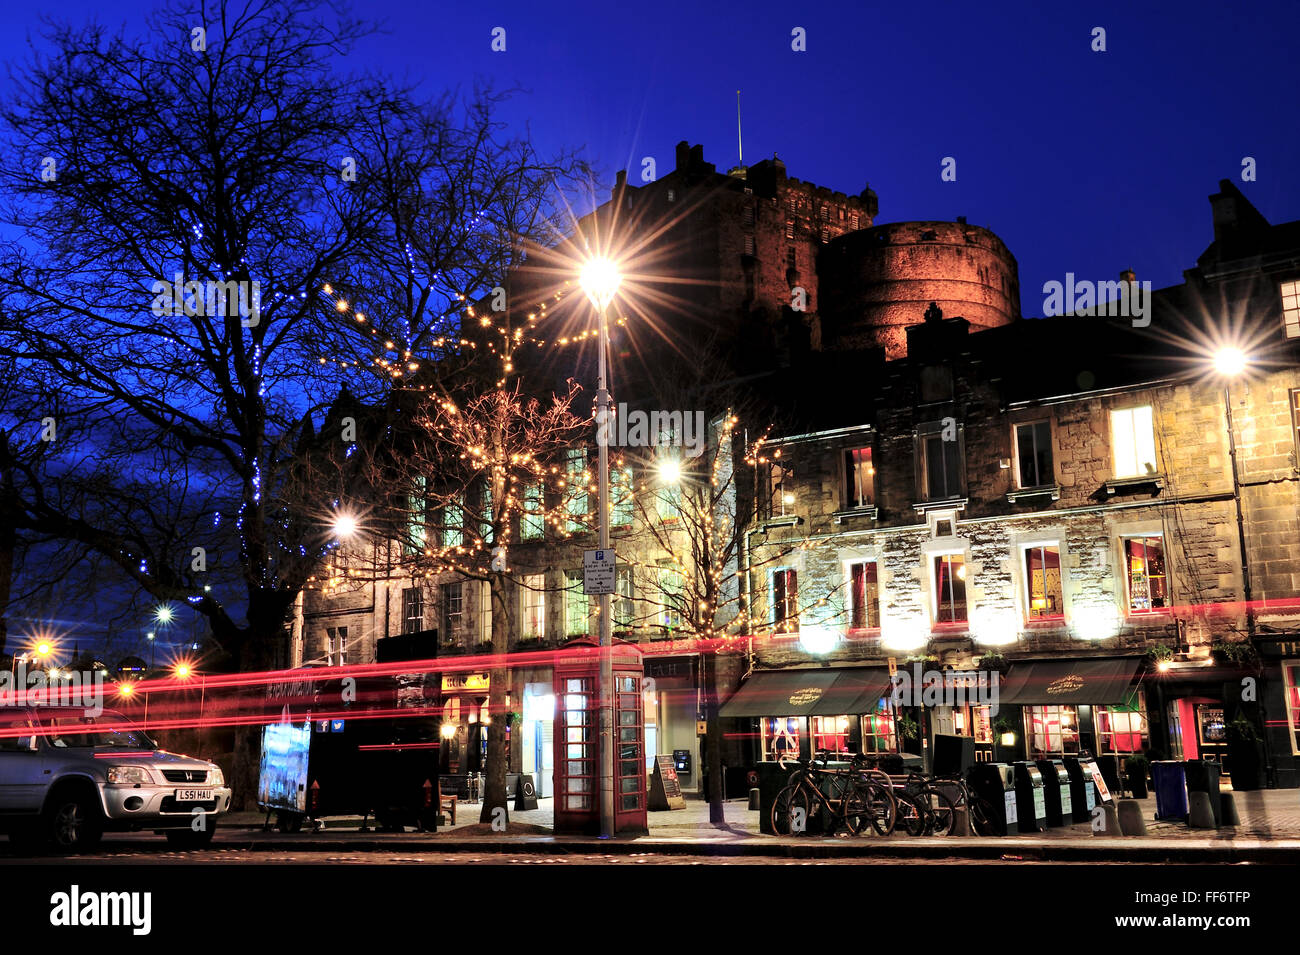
(494, 789)
(713, 740)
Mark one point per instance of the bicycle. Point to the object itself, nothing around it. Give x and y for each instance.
(978, 809)
(792, 812)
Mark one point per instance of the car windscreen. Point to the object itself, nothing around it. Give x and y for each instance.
(106, 729)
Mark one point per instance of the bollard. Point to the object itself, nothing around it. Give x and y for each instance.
(753, 800)
(1105, 821)
(1200, 814)
(1229, 807)
(961, 821)
(1130, 818)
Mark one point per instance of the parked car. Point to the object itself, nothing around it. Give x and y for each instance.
(68, 774)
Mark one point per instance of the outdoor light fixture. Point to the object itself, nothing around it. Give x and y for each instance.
(1230, 361)
(163, 614)
(125, 689)
(1009, 738)
(44, 649)
(1163, 665)
(818, 640)
(600, 280)
(182, 671)
(345, 526)
(448, 730)
(670, 471)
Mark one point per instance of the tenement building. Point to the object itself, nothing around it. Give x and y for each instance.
(1102, 511)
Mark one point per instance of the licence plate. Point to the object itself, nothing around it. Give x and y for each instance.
(195, 795)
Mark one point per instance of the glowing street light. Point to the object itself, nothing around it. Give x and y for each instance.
(345, 526)
(670, 471)
(600, 279)
(182, 671)
(44, 648)
(164, 614)
(1230, 361)
(125, 690)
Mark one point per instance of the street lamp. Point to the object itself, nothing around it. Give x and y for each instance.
(600, 280)
(345, 526)
(164, 614)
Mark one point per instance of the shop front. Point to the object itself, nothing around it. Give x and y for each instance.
(795, 713)
(673, 709)
(1054, 708)
(465, 718)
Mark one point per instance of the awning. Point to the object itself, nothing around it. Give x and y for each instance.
(823, 692)
(1105, 681)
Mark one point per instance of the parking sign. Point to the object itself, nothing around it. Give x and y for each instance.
(598, 571)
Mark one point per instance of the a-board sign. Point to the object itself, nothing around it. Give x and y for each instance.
(525, 793)
(1097, 778)
(665, 790)
(598, 571)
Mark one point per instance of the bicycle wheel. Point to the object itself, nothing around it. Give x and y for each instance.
(942, 816)
(981, 816)
(791, 812)
(855, 811)
(911, 814)
(882, 808)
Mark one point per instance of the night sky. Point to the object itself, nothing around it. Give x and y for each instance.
(1081, 161)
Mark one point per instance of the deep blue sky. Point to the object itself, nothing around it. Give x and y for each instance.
(1081, 161)
(1085, 162)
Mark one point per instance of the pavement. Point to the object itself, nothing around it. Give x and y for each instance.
(1269, 832)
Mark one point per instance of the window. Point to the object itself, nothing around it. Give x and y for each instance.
(416, 505)
(780, 737)
(1148, 585)
(950, 588)
(623, 598)
(453, 611)
(747, 215)
(412, 609)
(1133, 442)
(1034, 454)
(484, 612)
(826, 233)
(575, 463)
(15, 723)
(864, 596)
(533, 606)
(831, 733)
(853, 221)
(532, 524)
(1291, 677)
(671, 595)
(336, 646)
(620, 487)
(780, 490)
(859, 478)
(791, 259)
(941, 467)
(1051, 731)
(973, 721)
(576, 609)
(453, 524)
(1210, 727)
(1043, 581)
(785, 600)
(879, 734)
(824, 213)
(791, 204)
(789, 233)
(485, 513)
(1291, 308)
(1122, 729)
(749, 244)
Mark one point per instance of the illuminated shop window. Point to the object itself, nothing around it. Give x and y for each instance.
(879, 734)
(1052, 730)
(831, 733)
(1043, 582)
(1122, 729)
(973, 721)
(1146, 580)
(780, 737)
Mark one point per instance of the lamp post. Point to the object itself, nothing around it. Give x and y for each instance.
(600, 280)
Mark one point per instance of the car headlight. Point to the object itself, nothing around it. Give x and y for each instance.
(217, 778)
(129, 775)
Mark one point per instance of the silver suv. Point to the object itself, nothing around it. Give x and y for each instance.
(68, 774)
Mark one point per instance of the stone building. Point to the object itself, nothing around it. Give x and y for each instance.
(1056, 496)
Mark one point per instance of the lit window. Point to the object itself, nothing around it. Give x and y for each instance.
(973, 721)
(950, 588)
(1043, 581)
(1148, 586)
(336, 646)
(533, 600)
(1291, 676)
(853, 221)
(671, 595)
(789, 230)
(1123, 729)
(1051, 731)
(785, 600)
(879, 734)
(453, 522)
(623, 599)
(1133, 442)
(575, 463)
(453, 611)
(620, 494)
(749, 244)
(416, 504)
(1034, 454)
(1291, 308)
(576, 608)
(859, 478)
(780, 490)
(532, 523)
(864, 596)
(831, 733)
(780, 737)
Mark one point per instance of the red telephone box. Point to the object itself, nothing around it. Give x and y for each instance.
(577, 739)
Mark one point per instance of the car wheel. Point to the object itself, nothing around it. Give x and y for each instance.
(189, 839)
(73, 822)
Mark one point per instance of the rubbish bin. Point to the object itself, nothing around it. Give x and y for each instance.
(1031, 806)
(1203, 777)
(1056, 792)
(995, 784)
(1169, 778)
(1083, 795)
